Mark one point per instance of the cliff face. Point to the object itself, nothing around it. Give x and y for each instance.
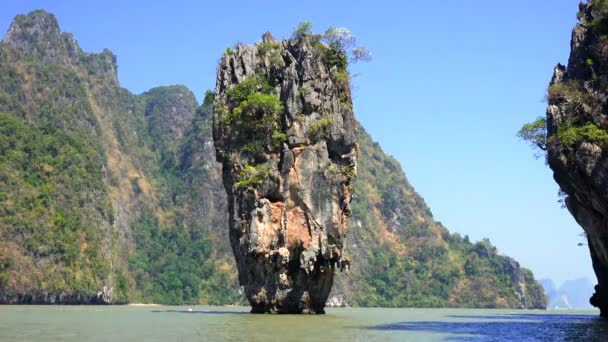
(102, 191)
(577, 131)
(54, 249)
(284, 131)
(404, 258)
(109, 197)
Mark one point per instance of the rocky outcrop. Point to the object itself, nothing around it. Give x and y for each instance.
(109, 197)
(285, 133)
(577, 135)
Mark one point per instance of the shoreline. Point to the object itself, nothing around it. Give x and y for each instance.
(143, 304)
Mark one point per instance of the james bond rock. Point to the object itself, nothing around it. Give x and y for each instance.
(285, 133)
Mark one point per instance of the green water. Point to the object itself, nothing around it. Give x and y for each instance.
(205, 323)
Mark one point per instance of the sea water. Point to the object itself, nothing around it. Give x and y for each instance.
(208, 323)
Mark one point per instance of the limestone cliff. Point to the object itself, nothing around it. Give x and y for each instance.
(111, 197)
(285, 133)
(96, 183)
(577, 135)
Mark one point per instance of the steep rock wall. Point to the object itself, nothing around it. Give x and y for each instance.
(285, 133)
(577, 132)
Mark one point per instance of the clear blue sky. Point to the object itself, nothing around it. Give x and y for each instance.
(450, 84)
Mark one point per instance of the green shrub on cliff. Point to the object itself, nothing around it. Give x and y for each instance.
(251, 85)
(600, 22)
(179, 260)
(303, 30)
(46, 174)
(266, 47)
(319, 130)
(570, 93)
(567, 90)
(337, 45)
(251, 176)
(342, 44)
(253, 113)
(573, 135)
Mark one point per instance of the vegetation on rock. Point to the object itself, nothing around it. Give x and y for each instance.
(410, 260)
(577, 135)
(573, 136)
(100, 188)
(535, 133)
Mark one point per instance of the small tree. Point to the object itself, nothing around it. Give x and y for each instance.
(535, 133)
(342, 40)
(304, 29)
(360, 54)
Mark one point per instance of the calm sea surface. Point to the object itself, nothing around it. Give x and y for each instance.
(207, 323)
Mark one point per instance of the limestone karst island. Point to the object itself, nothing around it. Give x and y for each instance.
(256, 187)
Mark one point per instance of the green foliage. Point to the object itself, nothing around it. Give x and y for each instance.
(319, 129)
(276, 60)
(567, 90)
(266, 47)
(303, 30)
(254, 149)
(335, 57)
(179, 261)
(574, 135)
(590, 64)
(278, 138)
(252, 175)
(341, 77)
(599, 24)
(333, 168)
(229, 51)
(342, 46)
(422, 265)
(167, 110)
(360, 54)
(176, 266)
(241, 91)
(47, 175)
(348, 171)
(253, 114)
(535, 133)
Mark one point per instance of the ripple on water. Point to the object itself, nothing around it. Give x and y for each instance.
(207, 323)
(511, 327)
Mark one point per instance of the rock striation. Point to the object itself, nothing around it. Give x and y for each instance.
(285, 133)
(577, 135)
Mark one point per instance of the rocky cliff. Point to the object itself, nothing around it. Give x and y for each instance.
(110, 197)
(577, 135)
(404, 258)
(96, 182)
(285, 133)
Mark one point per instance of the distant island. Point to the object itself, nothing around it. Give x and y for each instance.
(572, 294)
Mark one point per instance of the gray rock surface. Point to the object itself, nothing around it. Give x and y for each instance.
(287, 232)
(577, 99)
